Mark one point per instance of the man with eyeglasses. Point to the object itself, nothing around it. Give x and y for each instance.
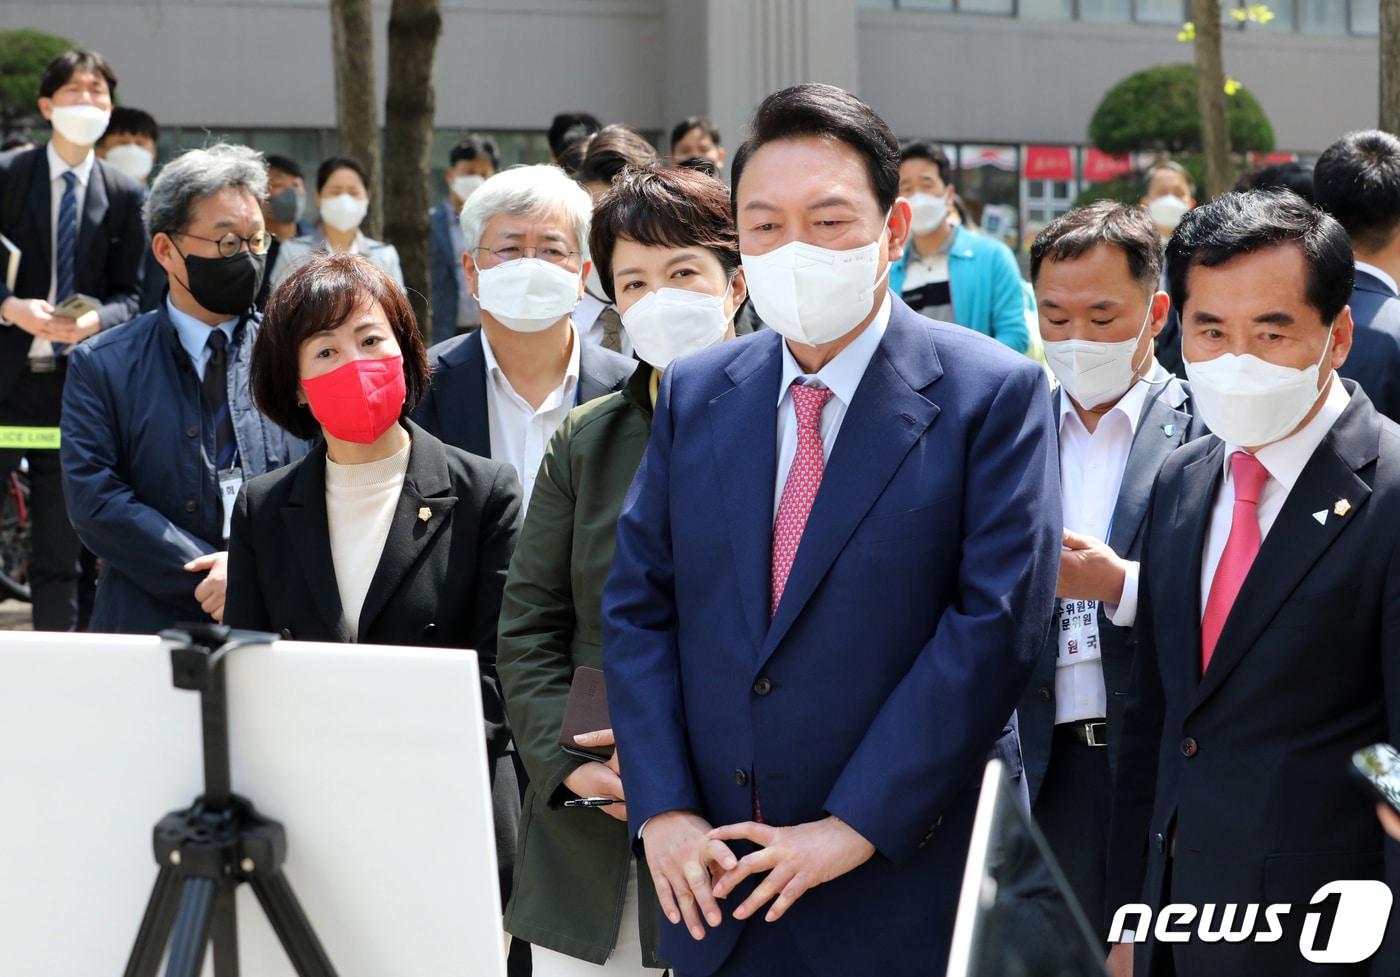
(501, 391)
(159, 427)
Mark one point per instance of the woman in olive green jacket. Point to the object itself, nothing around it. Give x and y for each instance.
(668, 256)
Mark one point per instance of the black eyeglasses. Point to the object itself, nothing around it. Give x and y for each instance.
(230, 244)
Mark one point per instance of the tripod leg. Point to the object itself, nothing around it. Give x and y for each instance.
(225, 933)
(155, 926)
(293, 929)
(193, 922)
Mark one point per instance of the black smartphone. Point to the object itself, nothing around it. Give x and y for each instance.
(1378, 769)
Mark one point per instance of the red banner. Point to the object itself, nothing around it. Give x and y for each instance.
(1100, 166)
(1049, 163)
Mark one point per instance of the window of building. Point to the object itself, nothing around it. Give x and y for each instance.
(1324, 16)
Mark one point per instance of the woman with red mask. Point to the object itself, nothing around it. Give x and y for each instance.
(381, 534)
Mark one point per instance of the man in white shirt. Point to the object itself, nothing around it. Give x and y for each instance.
(1268, 616)
(1095, 272)
(501, 391)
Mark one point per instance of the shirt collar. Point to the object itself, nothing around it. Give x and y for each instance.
(1383, 276)
(571, 371)
(842, 375)
(58, 167)
(193, 334)
(1129, 405)
(1285, 460)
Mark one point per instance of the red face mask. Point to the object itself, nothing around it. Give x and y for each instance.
(358, 401)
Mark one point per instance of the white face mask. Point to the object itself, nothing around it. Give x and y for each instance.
(930, 212)
(527, 294)
(672, 322)
(1095, 373)
(81, 125)
(466, 185)
(1251, 402)
(1167, 210)
(133, 160)
(813, 295)
(344, 212)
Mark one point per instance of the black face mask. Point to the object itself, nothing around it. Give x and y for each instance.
(227, 286)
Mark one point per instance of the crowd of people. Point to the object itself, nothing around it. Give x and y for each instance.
(839, 503)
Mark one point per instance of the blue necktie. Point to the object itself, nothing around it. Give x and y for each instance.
(216, 396)
(66, 246)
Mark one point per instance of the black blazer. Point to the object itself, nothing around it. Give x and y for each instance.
(111, 246)
(455, 406)
(1165, 424)
(1247, 768)
(1374, 361)
(438, 583)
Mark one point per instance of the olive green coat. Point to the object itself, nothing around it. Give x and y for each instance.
(571, 867)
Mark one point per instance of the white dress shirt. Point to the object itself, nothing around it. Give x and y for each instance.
(1091, 473)
(1383, 275)
(57, 167)
(519, 432)
(841, 376)
(585, 318)
(1284, 460)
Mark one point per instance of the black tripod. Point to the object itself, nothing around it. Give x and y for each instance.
(206, 850)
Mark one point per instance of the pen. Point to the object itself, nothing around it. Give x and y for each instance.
(592, 802)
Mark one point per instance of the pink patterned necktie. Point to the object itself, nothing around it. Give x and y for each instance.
(800, 489)
(1240, 550)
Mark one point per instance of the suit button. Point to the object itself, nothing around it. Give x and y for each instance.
(429, 629)
(286, 634)
(1044, 694)
(191, 431)
(1189, 747)
(741, 778)
(1161, 843)
(191, 505)
(762, 687)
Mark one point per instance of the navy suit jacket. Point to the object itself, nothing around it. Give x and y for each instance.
(1374, 361)
(1245, 770)
(442, 277)
(919, 597)
(110, 253)
(454, 409)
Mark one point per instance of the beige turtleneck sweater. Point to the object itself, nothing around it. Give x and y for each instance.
(360, 503)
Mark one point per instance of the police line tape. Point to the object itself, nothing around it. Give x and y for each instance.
(32, 438)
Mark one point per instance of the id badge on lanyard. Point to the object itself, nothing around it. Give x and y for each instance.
(230, 481)
(1077, 625)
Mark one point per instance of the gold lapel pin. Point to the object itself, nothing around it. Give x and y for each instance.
(1342, 507)
(425, 513)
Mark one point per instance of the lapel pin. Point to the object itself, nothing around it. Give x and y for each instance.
(1169, 430)
(1342, 507)
(1321, 517)
(425, 513)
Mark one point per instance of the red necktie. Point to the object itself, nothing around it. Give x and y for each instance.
(800, 489)
(1240, 550)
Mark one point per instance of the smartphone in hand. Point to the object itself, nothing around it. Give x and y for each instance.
(76, 306)
(1378, 769)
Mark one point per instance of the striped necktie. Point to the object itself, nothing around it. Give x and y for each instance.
(65, 246)
(216, 396)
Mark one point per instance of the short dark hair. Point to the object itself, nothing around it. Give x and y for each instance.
(1294, 177)
(284, 164)
(328, 167)
(474, 146)
(701, 164)
(825, 111)
(1357, 181)
(613, 149)
(1242, 223)
(570, 126)
(1168, 166)
(683, 127)
(130, 121)
(1105, 222)
(666, 208)
(923, 149)
(61, 69)
(321, 295)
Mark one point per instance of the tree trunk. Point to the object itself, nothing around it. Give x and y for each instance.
(1210, 97)
(414, 28)
(1390, 65)
(357, 116)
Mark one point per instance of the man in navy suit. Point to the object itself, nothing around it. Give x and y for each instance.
(834, 570)
(1267, 620)
(1357, 181)
(471, 163)
(76, 221)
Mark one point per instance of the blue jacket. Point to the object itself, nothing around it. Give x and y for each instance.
(140, 492)
(986, 287)
(1374, 361)
(442, 258)
(916, 607)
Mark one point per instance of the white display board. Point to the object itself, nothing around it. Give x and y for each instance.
(371, 757)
